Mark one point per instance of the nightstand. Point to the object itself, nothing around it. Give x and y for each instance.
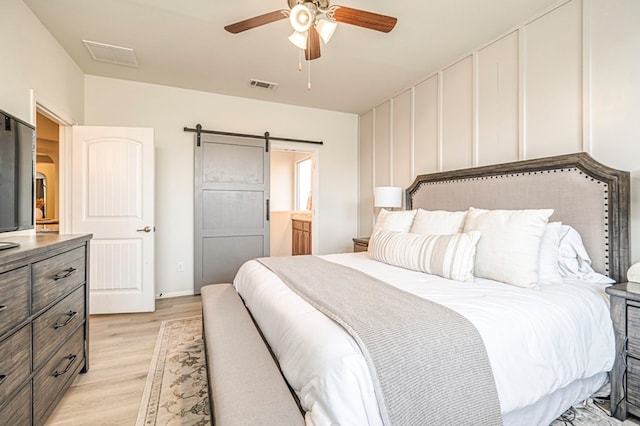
(360, 244)
(625, 313)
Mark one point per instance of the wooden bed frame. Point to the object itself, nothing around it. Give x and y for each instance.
(244, 381)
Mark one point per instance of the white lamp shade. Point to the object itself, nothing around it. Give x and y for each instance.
(301, 18)
(326, 29)
(299, 39)
(387, 196)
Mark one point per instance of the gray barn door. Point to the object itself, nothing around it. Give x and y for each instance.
(231, 206)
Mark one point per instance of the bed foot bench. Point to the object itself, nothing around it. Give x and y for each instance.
(245, 385)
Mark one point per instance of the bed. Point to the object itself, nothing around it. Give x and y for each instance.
(549, 341)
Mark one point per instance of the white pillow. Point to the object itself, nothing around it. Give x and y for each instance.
(448, 256)
(549, 269)
(398, 221)
(438, 222)
(509, 248)
(574, 261)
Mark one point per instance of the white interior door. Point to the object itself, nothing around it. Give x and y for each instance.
(113, 199)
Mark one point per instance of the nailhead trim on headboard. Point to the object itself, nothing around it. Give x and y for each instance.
(613, 205)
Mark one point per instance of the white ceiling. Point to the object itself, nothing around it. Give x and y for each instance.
(182, 43)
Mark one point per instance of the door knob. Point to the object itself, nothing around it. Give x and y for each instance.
(145, 229)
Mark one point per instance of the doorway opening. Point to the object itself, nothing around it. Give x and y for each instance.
(292, 200)
(47, 195)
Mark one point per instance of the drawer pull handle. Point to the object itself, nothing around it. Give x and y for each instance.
(64, 274)
(72, 358)
(3, 308)
(3, 377)
(70, 316)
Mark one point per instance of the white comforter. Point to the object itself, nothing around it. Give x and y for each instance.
(538, 341)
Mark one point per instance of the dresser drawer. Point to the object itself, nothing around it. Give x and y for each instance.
(633, 381)
(50, 383)
(17, 411)
(15, 361)
(57, 275)
(633, 330)
(360, 244)
(55, 325)
(359, 247)
(14, 298)
(301, 225)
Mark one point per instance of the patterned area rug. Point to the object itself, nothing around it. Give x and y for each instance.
(176, 388)
(591, 414)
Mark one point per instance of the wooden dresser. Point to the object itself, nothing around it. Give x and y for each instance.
(300, 237)
(44, 327)
(360, 244)
(625, 376)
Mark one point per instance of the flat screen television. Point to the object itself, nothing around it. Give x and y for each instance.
(17, 164)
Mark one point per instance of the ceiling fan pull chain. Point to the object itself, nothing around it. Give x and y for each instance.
(299, 59)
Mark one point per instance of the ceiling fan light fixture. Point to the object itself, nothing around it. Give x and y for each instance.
(301, 18)
(299, 39)
(326, 29)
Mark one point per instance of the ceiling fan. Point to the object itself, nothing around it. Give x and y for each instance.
(313, 20)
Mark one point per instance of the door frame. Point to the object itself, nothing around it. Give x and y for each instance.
(65, 122)
(315, 208)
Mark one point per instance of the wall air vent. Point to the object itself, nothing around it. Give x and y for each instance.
(112, 54)
(263, 84)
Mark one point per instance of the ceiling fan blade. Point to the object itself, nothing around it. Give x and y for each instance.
(313, 45)
(362, 18)
(257, 21)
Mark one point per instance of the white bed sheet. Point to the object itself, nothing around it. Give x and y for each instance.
(538, 341)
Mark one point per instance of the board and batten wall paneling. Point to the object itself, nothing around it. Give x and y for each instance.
(365, 167)
(615, 73)
(578, 90)
(615, 91)
(553, 82)
(382, 145)
(497, 103)
(457, 115)
(402, 140)
(425, 151)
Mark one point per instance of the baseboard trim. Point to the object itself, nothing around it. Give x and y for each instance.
(174, 294)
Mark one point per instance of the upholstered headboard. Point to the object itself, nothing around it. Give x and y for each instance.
(585, 194)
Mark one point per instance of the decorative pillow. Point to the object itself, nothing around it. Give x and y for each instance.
(438, 222)
(549, 269)
(399, 221)
(449, 256)
(574, 261)
(509, 248)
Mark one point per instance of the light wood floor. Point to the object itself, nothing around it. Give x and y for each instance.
(121, 348)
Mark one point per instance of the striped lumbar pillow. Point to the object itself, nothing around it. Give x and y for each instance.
(449, 256)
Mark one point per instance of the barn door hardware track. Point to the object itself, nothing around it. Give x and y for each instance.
(199, 131)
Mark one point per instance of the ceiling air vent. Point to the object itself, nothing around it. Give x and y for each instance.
(263, 84)
(112, 54)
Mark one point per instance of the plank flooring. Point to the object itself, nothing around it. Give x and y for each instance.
(121, 348)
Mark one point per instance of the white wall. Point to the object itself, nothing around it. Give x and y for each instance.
(110, 102)
(282, 180)
(281, 235)
(615, 95)
(566, 80)
(34, 67)
(33, 60)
